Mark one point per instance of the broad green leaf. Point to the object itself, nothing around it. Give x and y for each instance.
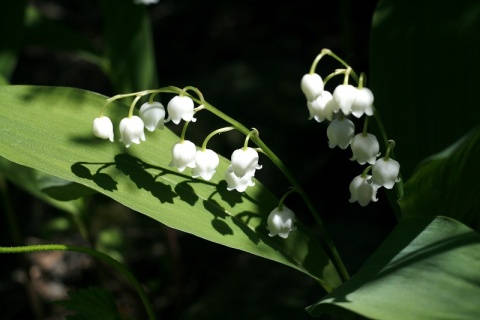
(90, 304)
(428, 268)
(448, 182)
(11, 25)
(424, 74)
(129, 51)
(50, 129)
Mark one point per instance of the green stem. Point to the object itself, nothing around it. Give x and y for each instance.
(282, 200)
(218, 131)
(112, 262)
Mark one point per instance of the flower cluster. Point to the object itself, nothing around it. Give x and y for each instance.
(357, 101)
(203, 162)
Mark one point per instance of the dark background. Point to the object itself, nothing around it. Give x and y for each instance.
(247, 58)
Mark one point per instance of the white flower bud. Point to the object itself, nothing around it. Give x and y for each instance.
(183, 155)
(131, 130)
(340, 132)
(206, 162)
(103, 128)
(153, 115)
(312, 86)
(363, 103)
(244, 161)
(362, 191)
(344, 95)
(181, 107)
(239, 184)
(281, 222)
(365, 148)
(322, 107)
(385, 173)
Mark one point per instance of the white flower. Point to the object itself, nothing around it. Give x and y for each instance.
(183, 155)
(244, 162)
(365, 148)
(206, 162)
(322, 107)
(363, 103)
(340, 132)
(153, 115)
(385, 173)
(239, 184)
(344, 96)
(312, 86)
(131, 130)
(145, 2)
(103, 128)
(181, 107)
(362, 191)
(280, 222)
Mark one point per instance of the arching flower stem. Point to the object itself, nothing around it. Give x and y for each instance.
(365, 125)
(254, 131)
(184, 130)
(282, 200)
(218, 131)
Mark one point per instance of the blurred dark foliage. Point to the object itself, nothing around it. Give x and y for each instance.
(247, 57)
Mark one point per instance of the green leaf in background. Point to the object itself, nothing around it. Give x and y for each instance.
(13, 13)
(91, 304)
(129, 50)
(46, 33)
(35, 182)
(428, 268)
(50, 129)
(425, 63)
(448, 182)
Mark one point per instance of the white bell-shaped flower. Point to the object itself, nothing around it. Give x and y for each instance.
(183, 155)
(385, 173)
(312, 86)
(236, 183)
(363, 103)
(365, 148)
(340, 133)
(244, 162)
(131, 130)
(206, 162)
(181, 107)
(344, 96)
(362, 191)
(322, 107)
(281, 222)
(103, 128)
(153, 115)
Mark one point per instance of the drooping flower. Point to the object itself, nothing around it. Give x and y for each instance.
(244, 161)
(362, 191)
(145, 2)
(236, 183)
(363, 102)
(206, 162)
(322, 107)
(385, 173)
(183, 155)
(365, 148)
(153, 115)
(181, 107)
(131, 130)
(103, 128)
(312, 86)
(340, 133)
(344, 96)
(281, 222)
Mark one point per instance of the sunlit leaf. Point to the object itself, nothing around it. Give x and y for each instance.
(428, 268)
(50, 129)
(448, 182)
